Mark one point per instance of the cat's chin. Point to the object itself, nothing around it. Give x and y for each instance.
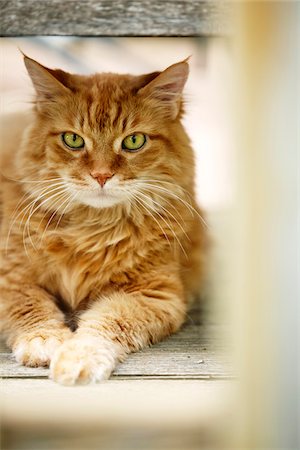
(99, 200)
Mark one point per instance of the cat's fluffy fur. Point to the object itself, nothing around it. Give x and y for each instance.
(88, 277)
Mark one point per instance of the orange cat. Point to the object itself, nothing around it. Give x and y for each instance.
(101, 239)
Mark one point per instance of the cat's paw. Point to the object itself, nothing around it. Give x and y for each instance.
(84, 360)
(36, 349)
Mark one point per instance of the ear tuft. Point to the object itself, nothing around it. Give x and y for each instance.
(167, 87)
(46, 84)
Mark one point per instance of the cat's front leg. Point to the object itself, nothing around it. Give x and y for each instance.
(115, 326)
(33, 324)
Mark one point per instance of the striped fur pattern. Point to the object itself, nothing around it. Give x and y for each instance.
(89, 274)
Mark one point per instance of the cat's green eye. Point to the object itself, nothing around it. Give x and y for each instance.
(134, 142)
(73, 140)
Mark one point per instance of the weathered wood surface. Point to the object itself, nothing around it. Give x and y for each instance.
(114, 18)
(196, 352)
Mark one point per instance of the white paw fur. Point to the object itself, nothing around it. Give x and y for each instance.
(83, 360)
(36, 351)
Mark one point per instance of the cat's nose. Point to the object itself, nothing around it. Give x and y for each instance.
(102, 177)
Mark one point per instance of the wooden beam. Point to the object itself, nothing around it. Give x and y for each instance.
(114, 18)
(196, 352)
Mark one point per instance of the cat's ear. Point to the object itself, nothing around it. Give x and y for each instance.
(49, 84)
(166, 88)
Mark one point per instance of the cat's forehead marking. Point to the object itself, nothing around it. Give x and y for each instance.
(102, 108)
(118, 111)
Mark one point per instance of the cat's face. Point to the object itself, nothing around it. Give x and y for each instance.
(107, 137)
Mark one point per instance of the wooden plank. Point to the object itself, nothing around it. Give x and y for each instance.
(129, 414)
(114, 18)
(195, 352)
(149, 402)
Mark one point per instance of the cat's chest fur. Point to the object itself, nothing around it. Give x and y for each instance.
(81, 262)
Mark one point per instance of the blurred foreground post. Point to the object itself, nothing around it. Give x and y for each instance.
(267, 243)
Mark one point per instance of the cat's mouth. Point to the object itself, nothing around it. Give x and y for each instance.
(100, 198)
(104, 193)
(112, 193)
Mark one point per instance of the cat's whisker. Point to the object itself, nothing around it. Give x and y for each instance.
(47, 225)
(69, 201)
(25, 246)
(14, 218)
(48, 209)
(184, 202)
(24, 198)
(168, 225)
(174, 234)
(171, 205)
(141, 203)
(47, 212)
(164, 220)
(25, 210)
(165, 200)
(67, 195)
(166, 192)
(42, 194)
(170, 214)
(27, 224)
(16, 215)
(39, 194)
(171, 183)
(54, 192)
(163, 189)
(145, 206)
(133, 204)
(24, 228)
